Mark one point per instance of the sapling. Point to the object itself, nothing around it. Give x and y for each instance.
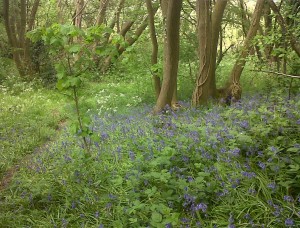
(71, 48)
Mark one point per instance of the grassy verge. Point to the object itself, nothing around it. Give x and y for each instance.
(28, 119)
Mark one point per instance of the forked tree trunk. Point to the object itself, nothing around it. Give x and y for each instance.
(209, 26)
(233, 89)
(156, 79)
(102, 12)
(171, 55)
(15, 22)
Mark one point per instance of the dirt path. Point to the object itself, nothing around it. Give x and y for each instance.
(9, 174)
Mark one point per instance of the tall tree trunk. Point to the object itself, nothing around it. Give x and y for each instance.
(171, 55)
(15, 19)
(156, 79)
(102, 12)
(209, 26)
(233, 89)
(79, 7)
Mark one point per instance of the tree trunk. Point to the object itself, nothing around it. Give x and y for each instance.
(102, 12)
(15, 18)
(209, 26)
(233, 90)
(79, 7)
(156, 79)
(171, 55)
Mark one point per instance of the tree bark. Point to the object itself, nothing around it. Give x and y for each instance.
(102, 12)
(233, 89)
(171, 56)
(209, 26)
(79, 7)
(15, 19)
(154, 56)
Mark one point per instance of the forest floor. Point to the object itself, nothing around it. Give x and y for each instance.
(24, 162)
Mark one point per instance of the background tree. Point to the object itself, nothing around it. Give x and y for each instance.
(19, 18)
(171, 55)
(209, 27)
(154, 55)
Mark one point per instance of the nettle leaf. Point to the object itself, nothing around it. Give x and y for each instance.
(75, 48)
(75, 81)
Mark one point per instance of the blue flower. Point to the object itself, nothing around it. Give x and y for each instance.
(249, 175)
(272, 185)
(289, 222)
(288, 198)
(201, 206)
(262, 165)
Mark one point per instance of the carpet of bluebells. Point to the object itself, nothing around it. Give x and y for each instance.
(217, 166)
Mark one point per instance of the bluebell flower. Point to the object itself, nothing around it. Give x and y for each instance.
(288, 198)
(272, 185)
(200, 206)
(249, 175)
(289, 222)
(262, 165)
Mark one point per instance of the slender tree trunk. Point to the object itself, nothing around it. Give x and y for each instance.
(102, 12)
(156, 79)
(79, 7)
(234, 90)
(130, 41)
(171, 55)
(209, 26)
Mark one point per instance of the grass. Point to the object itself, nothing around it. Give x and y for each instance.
(28, 120)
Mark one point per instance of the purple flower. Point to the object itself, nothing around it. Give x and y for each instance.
(272, 185)
(289, 222)
(249, 175)
(252, 191)
(247, 216)
(262, 165)
(73, 206)
(201, 206)
(168, 225)
(131, 155)
(97, 214)
(288, 198)
(244, 124)
(235, 151)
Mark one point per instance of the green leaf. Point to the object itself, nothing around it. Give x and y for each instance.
(75, 48)
(156, 217)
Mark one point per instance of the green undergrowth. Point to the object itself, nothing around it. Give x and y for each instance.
(28, 119)
(219, 166)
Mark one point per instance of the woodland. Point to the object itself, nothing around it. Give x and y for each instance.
(150, 113)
